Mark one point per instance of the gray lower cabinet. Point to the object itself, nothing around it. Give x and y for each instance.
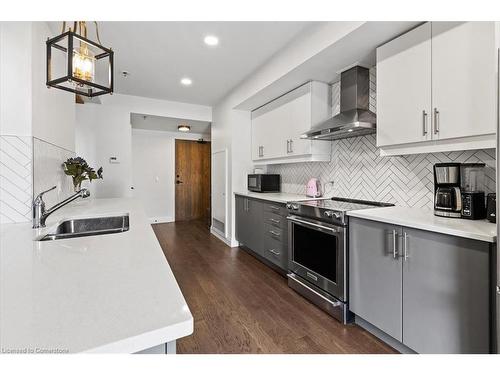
(375, 275)
(249, 223)
(430, 292)
(445, 293)
(262, 227)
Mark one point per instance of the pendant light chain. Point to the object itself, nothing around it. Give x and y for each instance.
(81, 26)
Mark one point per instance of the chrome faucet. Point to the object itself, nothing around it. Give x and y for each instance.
(39, 212)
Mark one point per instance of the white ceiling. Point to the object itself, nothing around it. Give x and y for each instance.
(159, 54)
(170, 124)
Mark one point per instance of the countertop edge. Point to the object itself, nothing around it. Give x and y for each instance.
(262, 196)
(431, 228)
(147, 340)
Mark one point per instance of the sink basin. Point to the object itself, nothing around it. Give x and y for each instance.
(88, 227)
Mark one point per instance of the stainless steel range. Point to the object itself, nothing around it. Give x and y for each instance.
(318, 251)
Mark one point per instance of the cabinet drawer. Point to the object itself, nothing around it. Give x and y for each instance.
(276, 252)
(276, 208)
(275, 220)
(276, 233)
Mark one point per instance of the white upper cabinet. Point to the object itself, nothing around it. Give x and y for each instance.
(463, 79)
(437, 90)
(404, 88)
(278, 125)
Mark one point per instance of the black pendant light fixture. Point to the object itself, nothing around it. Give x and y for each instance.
(78, 64)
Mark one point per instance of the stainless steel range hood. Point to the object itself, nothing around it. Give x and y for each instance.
(355, 117)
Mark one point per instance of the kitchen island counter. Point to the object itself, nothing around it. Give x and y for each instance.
(112, 293)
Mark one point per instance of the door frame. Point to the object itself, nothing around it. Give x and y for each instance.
(172, 181)
(226, 192)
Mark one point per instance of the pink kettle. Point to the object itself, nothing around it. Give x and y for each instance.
(313, 188)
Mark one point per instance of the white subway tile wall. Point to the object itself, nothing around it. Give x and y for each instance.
(358, 171)
(48, 171)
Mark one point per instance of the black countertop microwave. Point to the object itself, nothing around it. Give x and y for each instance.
(264, 183)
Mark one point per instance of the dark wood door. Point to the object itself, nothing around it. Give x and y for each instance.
(192, 180)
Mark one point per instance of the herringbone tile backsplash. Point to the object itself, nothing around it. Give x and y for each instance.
(358, 171)
(29, 165)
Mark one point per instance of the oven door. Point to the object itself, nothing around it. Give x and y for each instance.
(318, 254)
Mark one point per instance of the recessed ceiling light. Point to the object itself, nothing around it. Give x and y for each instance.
(184, 128)
(211, 40)
(186, 81)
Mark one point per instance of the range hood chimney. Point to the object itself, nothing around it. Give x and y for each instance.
(355, 117)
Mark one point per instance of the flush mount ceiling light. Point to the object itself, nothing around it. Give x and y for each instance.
(184, 128)
(78, 64)
(211, 40)
(186, 81)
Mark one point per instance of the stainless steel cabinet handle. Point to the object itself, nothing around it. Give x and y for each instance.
(405, 246)
(498, 289)
(274, 252)
(394, 249)
(291, 145)
(274, 221)
(274, 233)
(436, 121)
(287, 146)
(276, 208)
(424, 122)
(262, 151)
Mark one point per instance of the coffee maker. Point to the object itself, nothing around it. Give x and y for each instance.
(473, 187)
(447, 194)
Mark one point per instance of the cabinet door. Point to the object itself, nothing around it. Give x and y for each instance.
(375, 282)
(404, 88)
(255, 227)
(257, 136)
(242, 223)
(268, 132)
(445, 294)
(463, 79)
(300, 122)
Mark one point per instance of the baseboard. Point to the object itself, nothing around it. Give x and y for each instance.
(161, 219)
(221, 236)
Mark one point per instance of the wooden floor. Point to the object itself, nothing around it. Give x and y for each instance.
(242, 306)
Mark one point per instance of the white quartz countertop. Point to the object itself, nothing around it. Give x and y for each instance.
(109, 293)
(276, 197)
(481, 230)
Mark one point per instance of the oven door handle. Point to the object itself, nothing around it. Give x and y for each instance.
(312, 225)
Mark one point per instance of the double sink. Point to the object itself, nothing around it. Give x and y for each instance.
(93, 226)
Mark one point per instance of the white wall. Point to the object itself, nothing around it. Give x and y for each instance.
(28, 107)
(53, 110)
(36, 124)
(231, 128)
(104, 130)
(15, 78)
(153, 171)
